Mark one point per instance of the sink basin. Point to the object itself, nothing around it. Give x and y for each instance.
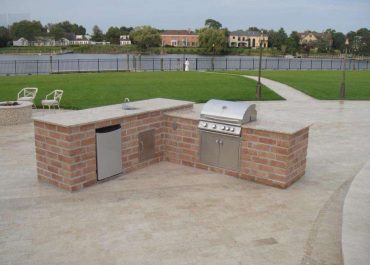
(129, 108)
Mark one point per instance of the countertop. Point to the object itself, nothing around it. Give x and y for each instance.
(265, 121)
(92, 115)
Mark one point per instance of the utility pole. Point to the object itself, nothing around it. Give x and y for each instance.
(258, 85)
(213, 57)
(342, 92)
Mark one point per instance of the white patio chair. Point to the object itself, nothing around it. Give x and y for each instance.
(56, 96)
(28, 94)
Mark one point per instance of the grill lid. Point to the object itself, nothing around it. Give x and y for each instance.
(229, 111)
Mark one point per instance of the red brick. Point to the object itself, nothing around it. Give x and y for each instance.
(50, 127)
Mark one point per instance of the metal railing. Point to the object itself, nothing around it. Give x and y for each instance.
(138, 63)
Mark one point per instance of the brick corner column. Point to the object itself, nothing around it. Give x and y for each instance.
(65, 156)
(271, 158)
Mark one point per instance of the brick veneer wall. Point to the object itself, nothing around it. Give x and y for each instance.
(66, 156)
(270, 158)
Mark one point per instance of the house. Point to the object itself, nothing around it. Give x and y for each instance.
(81, 40)
(62, 42)
(20, 42)
(124, 40)
(43, 41)
(253, 39)
(179, 38)
(312, 38)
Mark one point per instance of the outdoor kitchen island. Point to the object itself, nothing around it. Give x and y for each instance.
(71, 155)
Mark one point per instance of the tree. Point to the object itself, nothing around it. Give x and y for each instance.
(113, 34)
(253, 29)
(65, 29)
(338, 40)
(145, 37)
(78, 29)
(212, 24)
(277, 38)
(97, 34)
(57, 31)
(4, 37)
(292, 43)
(363, 41)
(213, 40)
(125, 30)
(27, 29)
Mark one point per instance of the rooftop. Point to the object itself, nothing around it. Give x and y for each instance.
(178, 32)
(245, 33)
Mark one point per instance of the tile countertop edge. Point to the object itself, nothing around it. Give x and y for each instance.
(184, 104)
(194, 115)
(278, 131)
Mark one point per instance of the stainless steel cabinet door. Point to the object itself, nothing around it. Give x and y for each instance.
(108, 152)
(229, 152)
(209, 148)
(146, 144)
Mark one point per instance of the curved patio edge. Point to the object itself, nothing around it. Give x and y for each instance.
(356, 220)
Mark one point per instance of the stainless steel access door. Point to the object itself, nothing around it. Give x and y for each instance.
(108, 151)
(209, 148)
(220, 150)
(229, 152)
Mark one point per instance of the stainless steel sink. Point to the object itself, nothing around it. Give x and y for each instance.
(126, 106)
(129, 108)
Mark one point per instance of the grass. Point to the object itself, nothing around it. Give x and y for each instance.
(97, 89)
(322, 84)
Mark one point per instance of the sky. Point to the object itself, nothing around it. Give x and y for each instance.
(300, 15)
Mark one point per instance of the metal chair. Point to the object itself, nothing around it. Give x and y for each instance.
(28, 94)
(57, 97)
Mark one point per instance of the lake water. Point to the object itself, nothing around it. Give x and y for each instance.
(44, 64)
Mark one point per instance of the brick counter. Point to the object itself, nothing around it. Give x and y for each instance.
(66, 155)
(272, 158)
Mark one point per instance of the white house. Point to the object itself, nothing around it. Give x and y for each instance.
(248, 38)
(62, 42)
(20, 42)
(81, 40)
(43, 41)
(124, 40)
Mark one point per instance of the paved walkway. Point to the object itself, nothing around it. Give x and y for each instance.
(356, 220)
(283, 90)
(171, 214)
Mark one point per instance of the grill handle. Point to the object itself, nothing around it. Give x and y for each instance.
(218, 141)
(218, 119)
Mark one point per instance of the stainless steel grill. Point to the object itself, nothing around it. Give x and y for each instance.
(220, 129)
(225, 116)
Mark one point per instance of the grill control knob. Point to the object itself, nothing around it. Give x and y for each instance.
(205, 125)
(232, 129)
(223, 128)
(214, 126)
(228, 129)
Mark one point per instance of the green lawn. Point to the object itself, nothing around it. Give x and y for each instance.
(97, 89)
(322, 84)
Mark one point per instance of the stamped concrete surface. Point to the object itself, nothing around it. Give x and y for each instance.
(356, 220)
(171, 214)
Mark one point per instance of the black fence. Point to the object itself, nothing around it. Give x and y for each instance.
(138, 63)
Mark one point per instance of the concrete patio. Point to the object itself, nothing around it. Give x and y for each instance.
(170, 214)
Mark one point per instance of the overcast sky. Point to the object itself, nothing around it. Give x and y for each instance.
(342, 15)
